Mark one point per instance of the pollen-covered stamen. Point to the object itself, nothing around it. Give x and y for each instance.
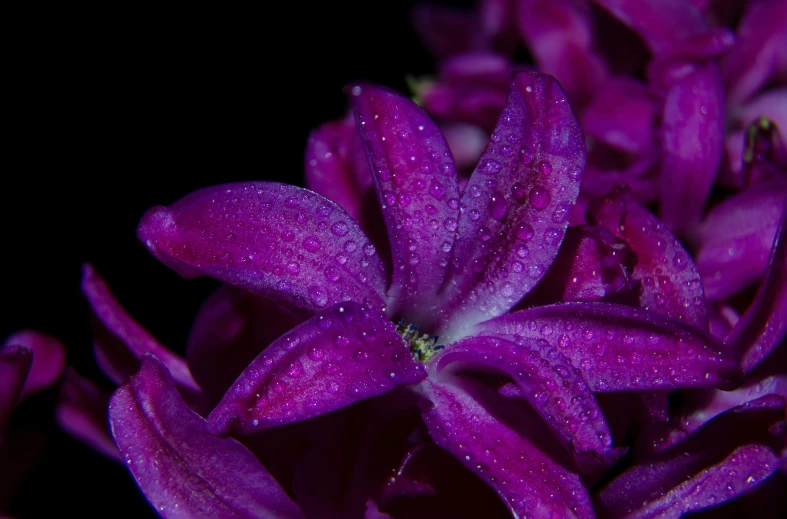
(422, 345)
(759, 144)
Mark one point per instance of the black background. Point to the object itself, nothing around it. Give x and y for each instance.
(117, 111)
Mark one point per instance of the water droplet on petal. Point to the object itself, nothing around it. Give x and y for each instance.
(540, 197)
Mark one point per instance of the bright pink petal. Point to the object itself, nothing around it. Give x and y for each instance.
(764, 324)
(554, 388)
(182, 469)
(235, 326)
(120, 341)
(81, 411)
(508, 457)
(280, 241)
(620, 348)
(418, 191)
(49, 359)
(346, 354)
(15, 364)
(670, 282)
(692, 145)
(517, 205)
(736, 238)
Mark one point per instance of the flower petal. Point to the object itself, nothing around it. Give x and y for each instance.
(182, 469)
(764, 324)
(417, 186)
(445, 30)
(670, 282)
(517, 205)
(346, 354)
(692, 145)
(81, 411)
(557, 392)
(619, 348)
(729, 456)
(279, 241)
(530, 481)
(736, 238)
(235, 326)
(15, 364)
(120, 341)
(49, 359)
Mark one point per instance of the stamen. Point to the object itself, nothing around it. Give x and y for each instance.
(422, 346)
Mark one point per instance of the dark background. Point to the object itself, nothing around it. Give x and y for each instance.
(114, 112)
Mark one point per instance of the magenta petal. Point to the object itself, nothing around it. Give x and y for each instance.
(530, 482)
(346, 354)
(692, 145)
(518, 203)
(280, 241)
(15, 363)
(82, 412)
(736, 238)
(764, 324)
(620, 348)
(120, 341)
(418, 190)
(557, 391)
(670, 282)
(445, 30)
(49, 359)
(182, 469)
(729, 456)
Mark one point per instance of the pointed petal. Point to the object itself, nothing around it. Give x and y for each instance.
(530, 482)
(764, 324)
(736, 238)
(182, 469)
(670, 282)
(81, 411)
(235, 326)
(418, 191)
(346, 354)
(557, 391)
(49, 359)
(619, 348)
(692, 145)
(15, 364)
(517, 205)
(729, 456)
(120, 341)
(279, 241)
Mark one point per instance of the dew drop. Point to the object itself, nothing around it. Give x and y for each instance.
(339, 229)
(540, 197)
(318, 296)
(311, 243)
(490, 167)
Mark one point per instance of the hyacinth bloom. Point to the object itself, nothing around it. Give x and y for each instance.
(442, 317)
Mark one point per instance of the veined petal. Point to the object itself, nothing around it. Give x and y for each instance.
(764, 324)
(418, 189)
(120, 341)
(620, 348)
(49, 359)
(692, 145)
(279, 241)
(554, 388)
(346, 354)
(15, 364)
(182, 469)
(670, 282)
(517, 205)
(508, 457)
(736, 238)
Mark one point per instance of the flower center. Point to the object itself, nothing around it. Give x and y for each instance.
(422, 345)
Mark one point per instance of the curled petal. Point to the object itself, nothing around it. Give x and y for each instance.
(49, 359)
(764, 324)
(736, 238)
(182, 469)
(692, 145)
(729, 456)
(417, 186)
(670, 282)
(346, 354)
(279, 241)
(517, 205)
(557, 392)
(120, 341)
(15, 364)
(530, 481)
(619, 348)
